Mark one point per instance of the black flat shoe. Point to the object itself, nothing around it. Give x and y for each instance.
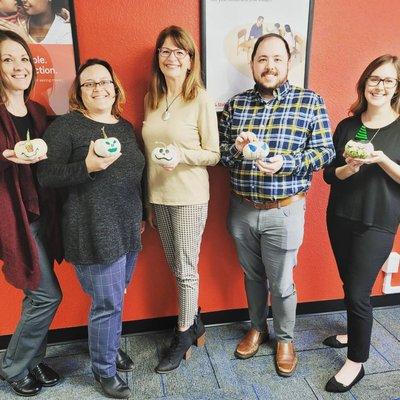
(332, 341)
(26, 387)
(336, 387)
(45, 375)
(114, 387)
(124, 362)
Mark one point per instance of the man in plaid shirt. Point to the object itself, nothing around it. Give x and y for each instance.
(266, 216)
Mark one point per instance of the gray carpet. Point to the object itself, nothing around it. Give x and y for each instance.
(214, 373)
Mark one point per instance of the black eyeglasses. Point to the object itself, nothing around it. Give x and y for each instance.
(92, 85)
(388, 83)
(165, 52)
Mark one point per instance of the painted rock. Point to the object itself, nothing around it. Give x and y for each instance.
(30, 149)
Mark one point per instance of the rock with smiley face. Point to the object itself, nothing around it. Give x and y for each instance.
(107, 146)
(30, 149)
(165, 155)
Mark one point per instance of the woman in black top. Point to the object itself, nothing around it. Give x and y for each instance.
(364, 207)
(102, 212)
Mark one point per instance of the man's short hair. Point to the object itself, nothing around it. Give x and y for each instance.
(267, 36)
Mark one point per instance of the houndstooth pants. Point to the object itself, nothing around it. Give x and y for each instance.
(181, 229)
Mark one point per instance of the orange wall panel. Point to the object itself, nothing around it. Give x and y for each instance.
(346, 35)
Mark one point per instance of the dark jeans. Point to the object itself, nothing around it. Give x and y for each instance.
(27, 346)
(360, 251)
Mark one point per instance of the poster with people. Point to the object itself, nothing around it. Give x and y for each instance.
(230, 30)
(46, 27)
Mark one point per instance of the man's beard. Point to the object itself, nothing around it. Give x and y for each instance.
(268, 90)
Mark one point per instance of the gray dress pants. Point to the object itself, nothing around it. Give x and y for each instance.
(267, 242)
(27, 346)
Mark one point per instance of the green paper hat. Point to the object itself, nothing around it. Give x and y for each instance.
(362, 133)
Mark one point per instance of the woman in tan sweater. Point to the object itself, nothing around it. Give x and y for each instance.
(181, 118)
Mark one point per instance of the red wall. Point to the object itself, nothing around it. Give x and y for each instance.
(346, 36)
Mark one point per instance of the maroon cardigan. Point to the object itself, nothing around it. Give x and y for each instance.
(21, 202)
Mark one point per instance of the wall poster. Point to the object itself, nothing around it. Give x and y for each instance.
(231, 27)
(49, 29)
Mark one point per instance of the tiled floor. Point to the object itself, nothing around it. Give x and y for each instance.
(214, 373)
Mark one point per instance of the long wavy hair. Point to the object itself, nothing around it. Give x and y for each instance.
(75, 92)
(192, 83)
(360, 105)
(8, 35)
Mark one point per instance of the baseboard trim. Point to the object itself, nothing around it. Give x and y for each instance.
(210, 318)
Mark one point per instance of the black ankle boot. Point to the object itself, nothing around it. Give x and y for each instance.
(114, 386)
(199, 331)
(123, 362)
(180, 347)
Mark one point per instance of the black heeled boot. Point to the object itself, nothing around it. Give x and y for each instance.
(124, 362)
(180, 347)
(114, 386)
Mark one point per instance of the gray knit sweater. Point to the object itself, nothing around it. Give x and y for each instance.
(102, 211)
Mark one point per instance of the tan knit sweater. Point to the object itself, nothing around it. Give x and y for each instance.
(193, 129)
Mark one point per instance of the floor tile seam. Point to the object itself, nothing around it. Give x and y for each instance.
(388, 371)
(352, 395)
(212, 366)
(162, 383)
(386, 329)
(309, 385)
(255, 391)
(382, 355)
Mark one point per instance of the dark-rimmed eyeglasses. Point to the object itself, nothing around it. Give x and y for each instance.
(165, 52)
(92, 85)
(388, 83)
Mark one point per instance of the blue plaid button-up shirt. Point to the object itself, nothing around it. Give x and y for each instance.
(295, 125)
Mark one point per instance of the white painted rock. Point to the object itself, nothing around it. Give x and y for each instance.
(30, 149)
(165, 155)
(107, 146)
(255, 151)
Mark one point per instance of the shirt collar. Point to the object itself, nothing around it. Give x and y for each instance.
(279, 93)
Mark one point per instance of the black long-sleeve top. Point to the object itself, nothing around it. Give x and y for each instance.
(370, 196)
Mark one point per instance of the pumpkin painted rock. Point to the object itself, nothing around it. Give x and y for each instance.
(30, 149)
(358, 149)
(255, 151)
(107, 146)
(165, 155)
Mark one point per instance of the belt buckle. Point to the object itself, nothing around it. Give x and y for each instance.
(268, 205)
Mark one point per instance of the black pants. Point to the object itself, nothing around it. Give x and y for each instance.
(360, 251)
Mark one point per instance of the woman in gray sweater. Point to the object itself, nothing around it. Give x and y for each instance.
(102, 213)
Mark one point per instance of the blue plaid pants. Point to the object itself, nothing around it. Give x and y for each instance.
(105, 284)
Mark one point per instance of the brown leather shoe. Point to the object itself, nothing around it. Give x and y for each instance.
(249, 345)
(285, 358)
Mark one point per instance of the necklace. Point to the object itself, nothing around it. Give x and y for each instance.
(362, 134)
(166, 114)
